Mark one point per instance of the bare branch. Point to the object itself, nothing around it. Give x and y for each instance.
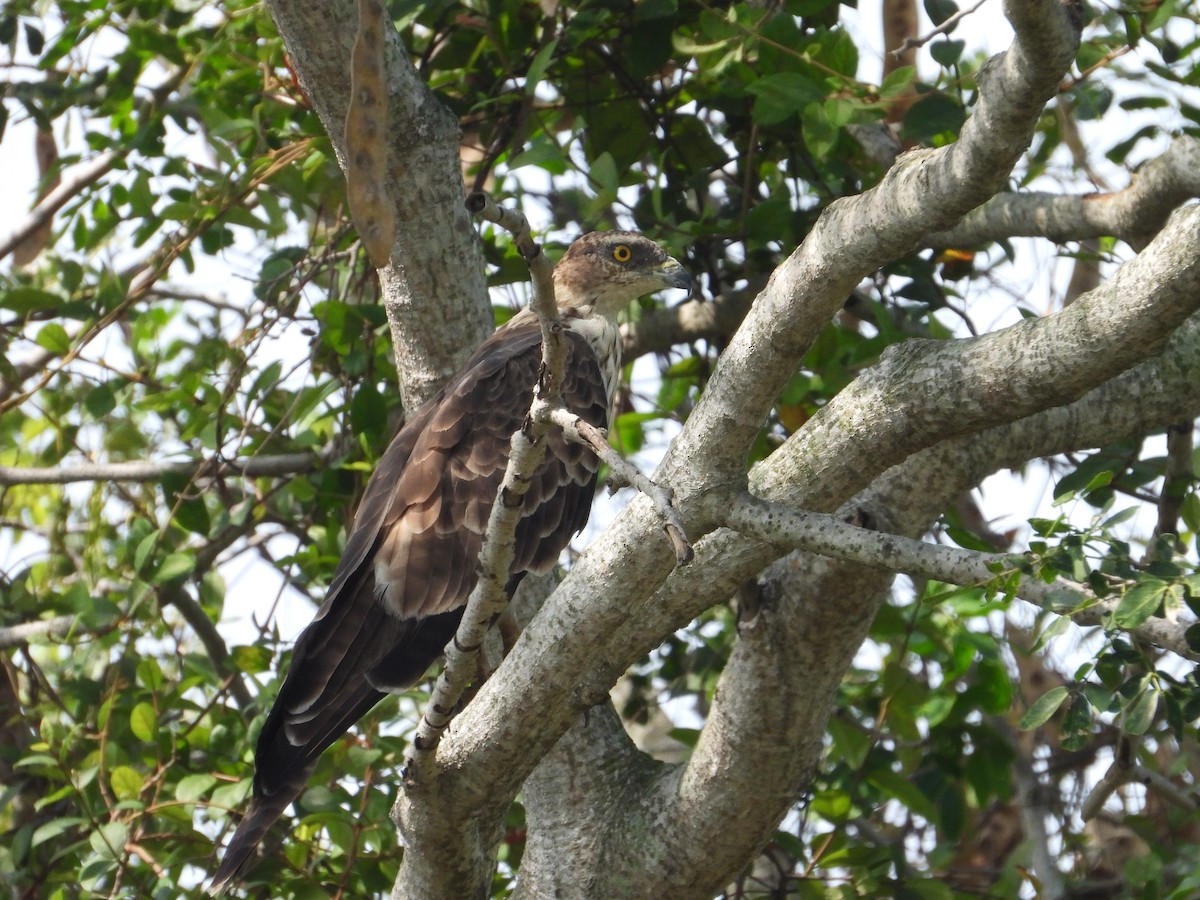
(250, 467)
(1124, 770)
(57, 627)
(945, 28)
(76, 180)
(1134, 214)
(925, 191)
(624, 473)
(831, 536)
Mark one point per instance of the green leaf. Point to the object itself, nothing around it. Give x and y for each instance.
(537, 68)
(1101, 479)
(126, 782)
(109, 840)
(603, 174)
(54, 338)
(1139, 603)
(193, 787)
(22, 300)
(947, 53)
(833, 806)
(934, 114)
(102, 399)
(1192, 636)
(1139, 715)
(781, 95)
(145, 549)
(1043, 708)
(143, 722)
(1077, 723)
(940, 10)
(251, 659)
(903, 789)
(56, 827)
(176, 565)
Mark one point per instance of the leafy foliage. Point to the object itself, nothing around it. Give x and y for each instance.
(204, 298)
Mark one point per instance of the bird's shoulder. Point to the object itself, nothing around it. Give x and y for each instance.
(477, 400)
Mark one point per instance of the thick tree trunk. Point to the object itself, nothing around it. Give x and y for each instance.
(603, 819)
(435, 289)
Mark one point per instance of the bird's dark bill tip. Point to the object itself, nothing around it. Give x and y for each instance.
(676, 276)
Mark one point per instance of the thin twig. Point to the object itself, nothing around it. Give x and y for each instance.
(944, 28)
(251, 467)
(624, 472)
(59, 626)
(831, 536)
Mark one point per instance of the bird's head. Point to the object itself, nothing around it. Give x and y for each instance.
(608, 270)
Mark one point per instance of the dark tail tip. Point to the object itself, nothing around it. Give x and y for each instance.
(260, 816)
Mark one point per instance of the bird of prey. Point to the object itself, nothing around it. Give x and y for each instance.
(410, 562)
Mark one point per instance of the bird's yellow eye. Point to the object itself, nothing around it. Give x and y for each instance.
(622, 253)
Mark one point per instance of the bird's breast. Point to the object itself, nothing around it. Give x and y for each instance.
(604, 337)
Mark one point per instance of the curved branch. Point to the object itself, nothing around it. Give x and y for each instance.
(76, 180)
(59, 626)
(1134, 214)
(937, 390)
(544, 682)
(925, 191)
(906, 500)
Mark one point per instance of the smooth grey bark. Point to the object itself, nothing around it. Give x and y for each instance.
(435, 289)
(1134, 214)
(551, 674)
(645, 829)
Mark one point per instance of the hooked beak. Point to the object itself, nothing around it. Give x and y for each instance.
(674, 275)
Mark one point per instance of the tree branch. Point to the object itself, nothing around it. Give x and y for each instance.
(78, 178)
(906, 500)
(925, 191)
(546, 677)
(624, 473)
(57, 627)
(1134, 214)
(935, 390)
(831, 536)
(249, 467)
(434, 290)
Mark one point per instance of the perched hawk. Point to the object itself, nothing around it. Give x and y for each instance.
(410, 562)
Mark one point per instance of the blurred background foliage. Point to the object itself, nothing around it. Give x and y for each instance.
(201, 296)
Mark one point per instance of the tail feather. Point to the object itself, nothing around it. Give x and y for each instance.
(260, 816)
(393, 654)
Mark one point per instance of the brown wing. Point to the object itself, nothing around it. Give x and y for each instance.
(410, 562)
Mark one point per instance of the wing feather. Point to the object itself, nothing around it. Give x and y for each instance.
(410, 561)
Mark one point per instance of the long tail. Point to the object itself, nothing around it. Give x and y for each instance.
(341, 666)
(260, 816)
